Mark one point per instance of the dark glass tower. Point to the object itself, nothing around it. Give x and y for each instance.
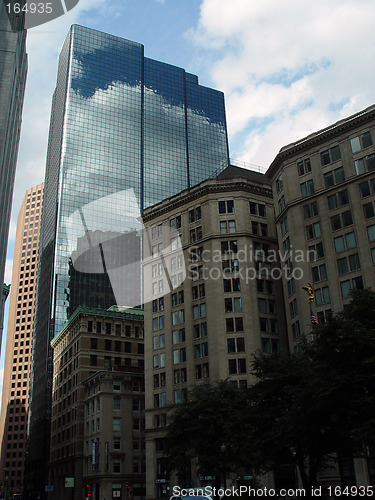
(126, 132)
(13, 69)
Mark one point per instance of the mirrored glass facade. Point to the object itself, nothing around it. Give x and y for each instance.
(126, 132)
(13, 69)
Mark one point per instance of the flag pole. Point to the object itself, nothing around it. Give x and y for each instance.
(309, 289)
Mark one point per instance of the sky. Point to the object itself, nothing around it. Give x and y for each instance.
(287, 68)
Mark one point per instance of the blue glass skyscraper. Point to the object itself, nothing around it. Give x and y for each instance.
(126, 132)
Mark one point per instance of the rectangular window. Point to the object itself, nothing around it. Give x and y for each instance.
(342, 266)
(156, 359)
(253, 208)
(336, 222)
(354, 262)
(196, 234)
(236, 345)
(179, 355)
(223, 227)
(345, 288)
(281, 204)
(304, 166)
(339, 244)
(365, 164)
(284, 226)
(316, 252)
(319, 273)
(364, 189)
(226, 207)
(296, 331)
(293, 308)
(234, 325)
(347, 219)
(350, 241)
(261, 210)
(237, 366)
(178, 317)
(361, 142)
(357, 283)
(371, 232)
(313, 231)
(334, 177)
(341, 220)
(322, 296)
(330, 155)
(311, 210)
(291, 286)
(344, 242)
(368, 210)
(279, 183)
(343, 197)
(230, 325)
(262, 305)
(195, 214)
(116, 425)
(355, 144)
(257, 209)
(307, 188)
(270, 345)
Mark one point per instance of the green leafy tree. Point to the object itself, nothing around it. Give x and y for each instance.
(314, 405)
(345, 350)
(213, 427)
(307, 408)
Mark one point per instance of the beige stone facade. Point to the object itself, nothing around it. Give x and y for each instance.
(97, 408)
(15, 395)
(324, 191)
(212, 300)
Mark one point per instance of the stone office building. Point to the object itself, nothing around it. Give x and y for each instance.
(211, 301)
(97, 408)
(324, 190)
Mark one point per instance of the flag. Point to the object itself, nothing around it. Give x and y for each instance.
(314, 319)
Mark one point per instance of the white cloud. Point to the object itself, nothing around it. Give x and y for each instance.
(287, 68)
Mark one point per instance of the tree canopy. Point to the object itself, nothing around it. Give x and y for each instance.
(306, 408)
(211, 426)
(317, 404)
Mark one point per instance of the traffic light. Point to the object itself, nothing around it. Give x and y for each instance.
(129, 489)
(87, 491)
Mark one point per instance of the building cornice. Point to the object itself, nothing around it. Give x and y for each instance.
(82, 310)
(305, 144)
(209, 187)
